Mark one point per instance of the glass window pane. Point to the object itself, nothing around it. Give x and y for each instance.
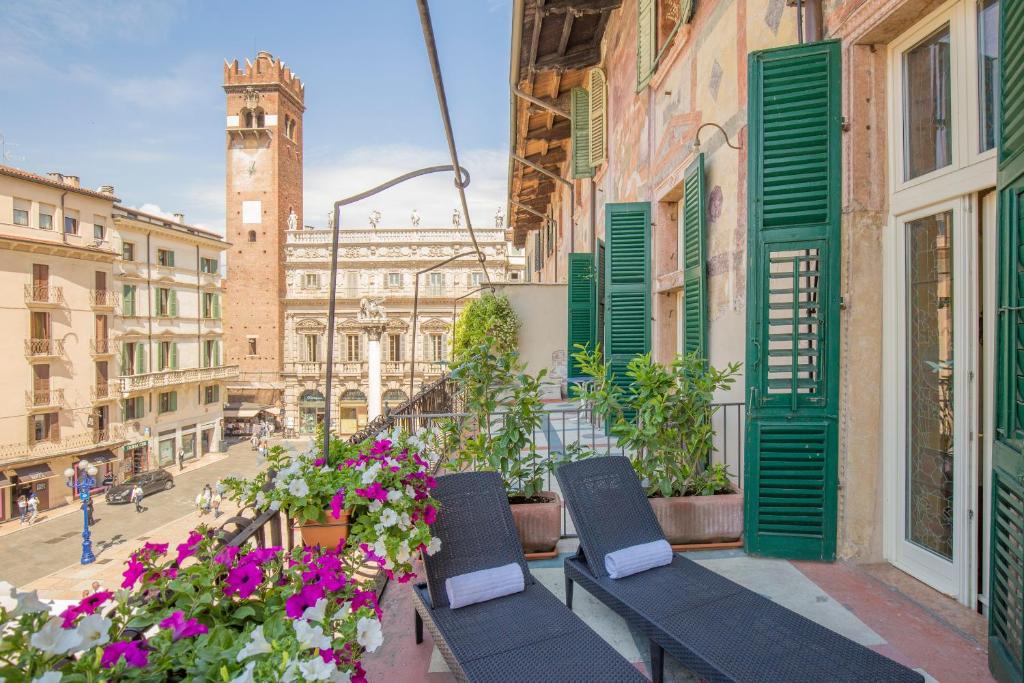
(927, 124)
(929, 467)
(988, 73)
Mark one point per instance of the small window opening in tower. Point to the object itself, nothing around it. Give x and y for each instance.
(252, 235)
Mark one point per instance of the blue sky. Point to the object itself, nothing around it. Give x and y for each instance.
(129, 94)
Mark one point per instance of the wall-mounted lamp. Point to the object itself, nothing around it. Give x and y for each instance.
(696, 144)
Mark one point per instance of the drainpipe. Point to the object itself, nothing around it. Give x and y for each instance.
(813, 21)
(593, 218)
(60, 226)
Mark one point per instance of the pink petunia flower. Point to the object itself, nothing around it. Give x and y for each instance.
(132, 574)
(337, 502)
(369, 598)
(261, 555)
(134, 653)
(188, 548)
(373, 492)
(243, 580)
(183, 628)
(296, 605)
(320, 462)
(227, 556)
(429, 514)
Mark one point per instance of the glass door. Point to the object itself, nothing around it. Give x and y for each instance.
(936, 377)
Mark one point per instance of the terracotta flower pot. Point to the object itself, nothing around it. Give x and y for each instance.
(700, 519)
(328, 534)
(539, 525)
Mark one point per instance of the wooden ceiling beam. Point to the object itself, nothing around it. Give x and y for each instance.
(580, 6)
(563, 40)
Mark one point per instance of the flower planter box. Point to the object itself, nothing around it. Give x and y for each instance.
(539, 525)
(701, 520)
(328, 534)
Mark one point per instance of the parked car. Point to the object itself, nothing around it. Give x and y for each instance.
(151, 482)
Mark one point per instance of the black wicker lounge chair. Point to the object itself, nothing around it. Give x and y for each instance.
(714, 627)
(527, 636)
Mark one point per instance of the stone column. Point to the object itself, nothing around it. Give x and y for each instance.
(374, 406)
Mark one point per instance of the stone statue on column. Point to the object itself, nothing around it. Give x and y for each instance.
(372, 318)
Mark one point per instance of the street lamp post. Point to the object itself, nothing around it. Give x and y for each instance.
(86, 481)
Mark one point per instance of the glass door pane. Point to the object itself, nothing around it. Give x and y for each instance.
(927, 125)
(929, 465)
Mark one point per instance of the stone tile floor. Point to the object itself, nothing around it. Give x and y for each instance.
(881, 609)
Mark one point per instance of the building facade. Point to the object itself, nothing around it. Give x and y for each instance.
(57, 264)
(375, 265)
(171, 376)
(264, 197)
(830, 203)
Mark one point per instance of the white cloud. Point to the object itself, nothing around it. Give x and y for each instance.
(171, 91)
(434, 196)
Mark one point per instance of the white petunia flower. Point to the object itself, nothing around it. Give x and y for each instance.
(337, 676)
(261, 500)
(291, 672)
(246, 675)
(380, 549)
(94, 630)
(8, 596)
(310, 635)
(54, 639)
(375, 505)
(434, 545)
(275, 505)
(370, 475)
(257, 645)
(29, 603)
(405, 521)
(390, 462)
(378, 529)
(298, 487)
(369, 633)
(388, 517)
(410, 491)
(317, 669)
(316, 612)
(48, 677)
(403, 552)
(394, 496)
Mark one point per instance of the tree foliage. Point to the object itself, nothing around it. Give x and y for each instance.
(489, 319)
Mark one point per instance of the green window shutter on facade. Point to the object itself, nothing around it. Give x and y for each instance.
(125, 366)
(581, 307)
(599, 297)
(172, 302)
(161, 361)
(695, 284)
(646, 35)
(174, 356)
(128, 300)
(1006, 539)
(580, 119)
(216, 306)
(793, 262)
(627, 285)
(140, 358)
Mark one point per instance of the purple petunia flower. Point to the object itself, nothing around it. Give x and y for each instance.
(135, 655)
(296, 605)
(373, 492)
(227, 556)
(372, 556)
(366, 598)
(382, 446)
(188, 548)
(243, 580)
(183, 628)
(337, 502)
(261, 555)
(156, 548)
(429, 514)
(320, 462)
(132, 574)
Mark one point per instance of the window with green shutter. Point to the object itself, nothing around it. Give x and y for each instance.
(694, 238)
(140, 358)
(128, 300)
(599, 274)
(793, 267)
(627, 311)
(172, 303)
(646, 41)
(216, 306)
(174, 355)
(597, 92)
(580, 119)
(581, 307)
(1006, 539)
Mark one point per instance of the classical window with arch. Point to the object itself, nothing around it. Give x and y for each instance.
(252, 117)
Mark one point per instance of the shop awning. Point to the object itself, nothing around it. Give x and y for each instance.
(33, 472)
(241, 412)
(99, 457)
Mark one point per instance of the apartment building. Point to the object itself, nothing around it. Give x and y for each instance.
(168, 361)
(56, 272)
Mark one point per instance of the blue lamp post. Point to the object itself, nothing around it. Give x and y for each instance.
(86, 482)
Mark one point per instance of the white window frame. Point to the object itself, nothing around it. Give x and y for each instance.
(394, 280)
(23, 206)
(311, 281)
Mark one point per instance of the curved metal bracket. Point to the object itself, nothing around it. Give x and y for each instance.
(696, 144)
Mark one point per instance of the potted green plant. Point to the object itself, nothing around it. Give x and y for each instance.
(504, 416)
(663, 418)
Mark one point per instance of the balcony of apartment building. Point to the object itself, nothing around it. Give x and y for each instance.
(45, 439)
(315, 368)
(43, 349)
(44, 295)
(104, 299)
(103, 346)
(43, 399)
(147, 381)
(105, 390)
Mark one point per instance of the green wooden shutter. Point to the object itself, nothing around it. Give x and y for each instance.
(597, 92)
(791, 465)
(627, 285)
(161, 360)
(216, 353)
(140, 359)
(1006, 537)
(216, 306)
(599, 296)
(695, 285)
(125, 367)
(128, 298)
(174, 400)
(581, 307)
(172, 298)
(646, 35)
(580, 119)
(174, 355)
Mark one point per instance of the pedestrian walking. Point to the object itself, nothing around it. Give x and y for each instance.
(91, 510)
(217, 498)
(207, 499)
(137, 498)
(22, 508)
(181, 459)
(199, 503)
(33, 508)
(254, 440)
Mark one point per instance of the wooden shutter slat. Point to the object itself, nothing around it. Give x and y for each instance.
(694, 260)
(581, 307)
(645, 46)
(627, 285)
(597, 88)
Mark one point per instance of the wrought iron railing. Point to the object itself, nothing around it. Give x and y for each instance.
(104, 298)
(101, 347)
(44, 294)
(44, 398)
(44, 348)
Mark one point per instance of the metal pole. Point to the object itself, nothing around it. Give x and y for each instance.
(416, 308)
(332, 297)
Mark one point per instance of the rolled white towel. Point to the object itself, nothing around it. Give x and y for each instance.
(485, 584)
(638, 558)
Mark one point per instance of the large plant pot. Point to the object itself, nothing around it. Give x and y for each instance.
(328, 534)
(539, 525)
(700, 519)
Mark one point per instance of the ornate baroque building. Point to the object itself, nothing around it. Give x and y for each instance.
(376, 265)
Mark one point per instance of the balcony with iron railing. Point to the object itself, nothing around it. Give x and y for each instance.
(104, 298)
(101, 347)
(44, 296)
(44, 349)
(53, 444)
(319, 368)
(44, 399)
(105, 391)
(170, 378)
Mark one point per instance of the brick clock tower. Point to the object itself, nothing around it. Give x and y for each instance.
(264, 198)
